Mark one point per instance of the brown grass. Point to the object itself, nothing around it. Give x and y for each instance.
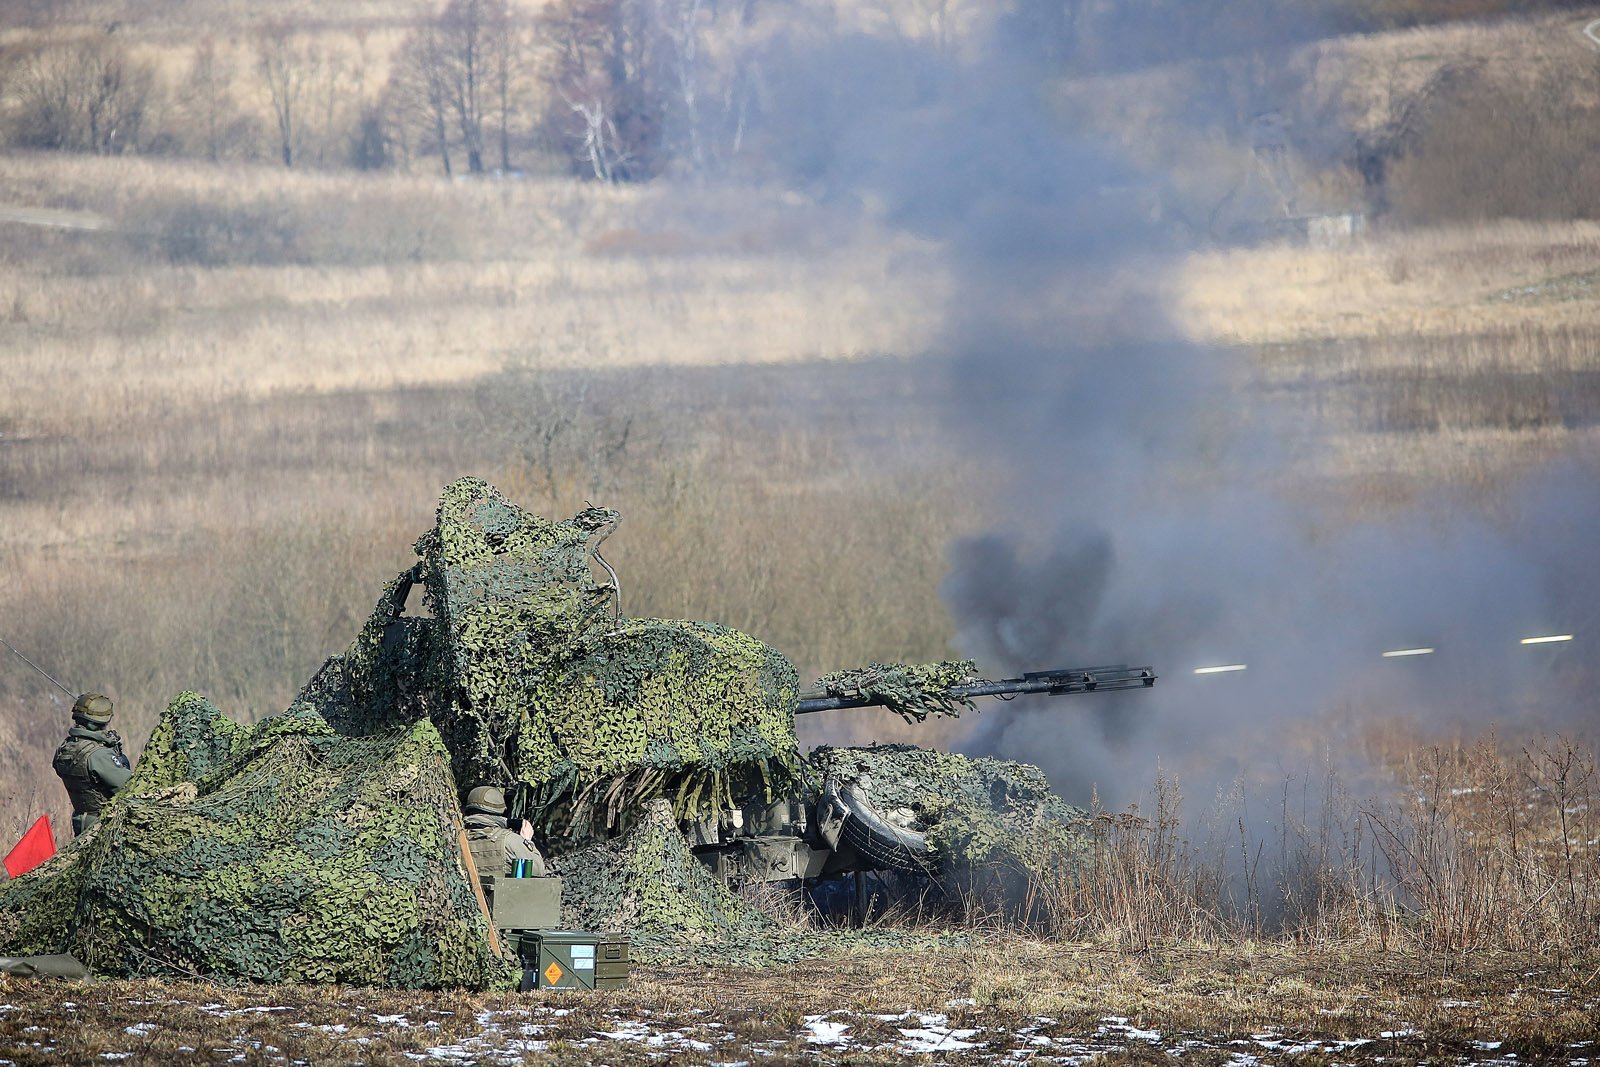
(1451, 849)
(1209, 1002)
(218, 442)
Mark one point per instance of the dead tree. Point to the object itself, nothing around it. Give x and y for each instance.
(286, 65)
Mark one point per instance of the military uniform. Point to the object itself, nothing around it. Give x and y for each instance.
(495, 846)
(90, 761)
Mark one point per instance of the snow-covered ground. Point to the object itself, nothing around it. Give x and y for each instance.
(605, 1034)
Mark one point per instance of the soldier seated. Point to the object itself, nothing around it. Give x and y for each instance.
(496, 847)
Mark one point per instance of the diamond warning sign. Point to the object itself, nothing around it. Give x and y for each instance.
(553, 973)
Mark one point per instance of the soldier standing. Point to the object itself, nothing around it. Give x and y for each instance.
(90, 761)
(495, 846)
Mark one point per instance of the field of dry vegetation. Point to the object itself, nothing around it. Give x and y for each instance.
(226, 411)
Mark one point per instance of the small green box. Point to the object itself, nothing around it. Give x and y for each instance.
(572, 959)
(612, 962)
(523, 903)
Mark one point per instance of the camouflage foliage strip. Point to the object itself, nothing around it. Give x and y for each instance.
(911, 690)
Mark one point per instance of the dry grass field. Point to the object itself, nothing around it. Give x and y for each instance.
(210, 465)
(226, 413)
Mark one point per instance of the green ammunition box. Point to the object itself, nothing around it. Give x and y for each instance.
(572, 959)
(523, 903)
(612, 962)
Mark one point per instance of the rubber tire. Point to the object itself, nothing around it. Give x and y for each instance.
(880, 842)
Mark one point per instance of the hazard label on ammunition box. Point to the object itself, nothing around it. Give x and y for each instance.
(553, 973)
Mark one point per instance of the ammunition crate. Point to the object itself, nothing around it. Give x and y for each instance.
(572, 959)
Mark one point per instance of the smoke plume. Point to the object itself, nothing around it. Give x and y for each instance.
(1142, 519)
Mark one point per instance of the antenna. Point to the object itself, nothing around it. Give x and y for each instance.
(38, 668)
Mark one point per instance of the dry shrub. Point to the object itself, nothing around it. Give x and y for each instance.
(327, 230)
(1470, 848)
(1505, 150)
(1139, 883)
(1489, 850)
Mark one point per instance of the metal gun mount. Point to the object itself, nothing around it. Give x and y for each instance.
(1041, 683)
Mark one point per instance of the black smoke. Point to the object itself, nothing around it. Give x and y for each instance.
(1144, 515)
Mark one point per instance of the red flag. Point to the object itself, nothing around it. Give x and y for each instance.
(36, 846)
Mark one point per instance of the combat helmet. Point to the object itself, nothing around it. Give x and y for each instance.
(486, 800)
(93, 707)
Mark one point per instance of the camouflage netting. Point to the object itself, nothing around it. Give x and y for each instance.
(911, 690)
(548, 687)
(323, 844)
(647, 882)
(287, 852)
(692, 712)
(976, 812)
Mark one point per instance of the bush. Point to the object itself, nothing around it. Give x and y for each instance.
(1503, 151)
(83, 95)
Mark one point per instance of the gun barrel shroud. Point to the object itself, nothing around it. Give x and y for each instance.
(1041, 683)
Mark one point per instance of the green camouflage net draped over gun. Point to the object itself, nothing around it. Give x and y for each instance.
(977, 812)
(283, 852)
(911, 690)
(648, 883)
(598, 715)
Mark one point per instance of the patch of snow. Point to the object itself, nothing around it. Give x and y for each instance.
(1459, 1003)
(935, 1039)
(1291, 1048)
(116, 1055)
(1487, 1046)
(220, 1012)
(823, 1031)
(141, 1029)
(1392, 1034)
(1119, 1025)
(395, 1020)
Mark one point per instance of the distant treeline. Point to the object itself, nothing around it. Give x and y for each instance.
(627, 90)
(612, 89)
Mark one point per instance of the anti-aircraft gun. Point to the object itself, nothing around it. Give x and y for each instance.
(586, 717)
(878, 808)
(325, 843)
